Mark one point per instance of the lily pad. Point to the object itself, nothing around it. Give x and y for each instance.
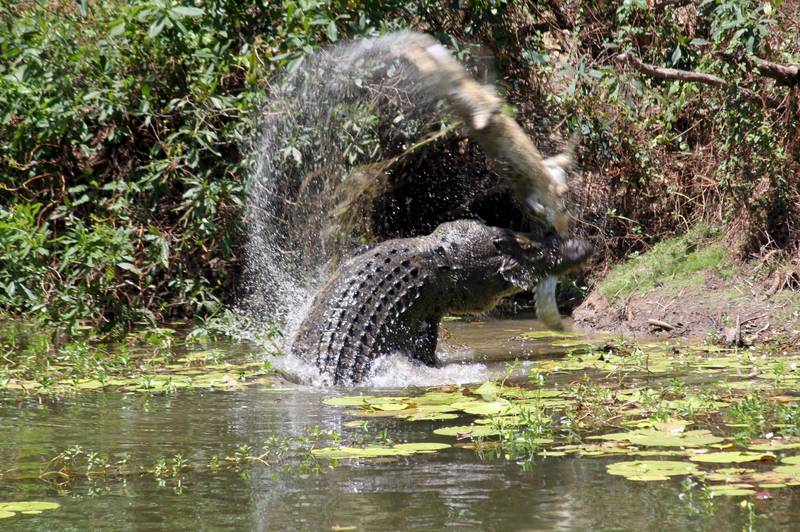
(427, 416)
(502, 421)
(440, 398)
(401, 449)
(422, 446)
(729, 474)
(660, 438)
(28, 506)
(729, 491)
(485, 409)
(538, 393)
(540, 335)
(791, 460)
(473, 431)
(358, 452)
(732, 457)
(488, 390)
(792, 471)
(358, 400)
(651, 470)
(436, 408)
(773, 445)
(390, 406)
(6, 515)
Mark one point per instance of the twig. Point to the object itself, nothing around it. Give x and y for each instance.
(563, 21)
(753, 318)
(661, 324)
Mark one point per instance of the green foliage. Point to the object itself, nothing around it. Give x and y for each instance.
(669, 150)
(672, 262)
(122, 127)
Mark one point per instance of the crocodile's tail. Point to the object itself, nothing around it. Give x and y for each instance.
(542, 188)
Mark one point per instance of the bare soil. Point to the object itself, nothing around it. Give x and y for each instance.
(737, 311)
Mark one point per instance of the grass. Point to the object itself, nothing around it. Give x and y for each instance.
(673, 263)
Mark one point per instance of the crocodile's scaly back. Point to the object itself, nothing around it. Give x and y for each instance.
(364, 309)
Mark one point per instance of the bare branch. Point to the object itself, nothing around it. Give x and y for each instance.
(693, 77)
(788, 75)
(669, 73)
(562, 20)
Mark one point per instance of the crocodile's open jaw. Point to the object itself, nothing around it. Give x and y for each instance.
(529, 261)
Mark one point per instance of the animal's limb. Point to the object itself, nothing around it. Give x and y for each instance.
(424, 348)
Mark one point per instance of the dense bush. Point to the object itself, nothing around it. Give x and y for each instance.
(124, 128)
(123, 125)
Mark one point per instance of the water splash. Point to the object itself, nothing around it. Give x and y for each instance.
(390, 372)
(340, 109)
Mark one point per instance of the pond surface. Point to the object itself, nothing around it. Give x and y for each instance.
(187, 459)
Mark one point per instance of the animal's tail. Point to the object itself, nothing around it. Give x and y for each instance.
(540, 183)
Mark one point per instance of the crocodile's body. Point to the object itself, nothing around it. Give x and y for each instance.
(391, 297)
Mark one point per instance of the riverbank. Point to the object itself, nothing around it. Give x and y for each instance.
(690, 287)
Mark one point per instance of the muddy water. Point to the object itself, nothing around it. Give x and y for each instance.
(453, 489)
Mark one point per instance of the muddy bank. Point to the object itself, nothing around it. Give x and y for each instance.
(737, 309)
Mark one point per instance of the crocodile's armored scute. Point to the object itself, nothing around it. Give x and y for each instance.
(391, 297)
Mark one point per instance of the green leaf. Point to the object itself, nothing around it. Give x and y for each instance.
(186, 11)
(117, 28)
(676, 55)
(732, 457)
(332, 32)
(650, 470)
(156, 27)
(127, 266)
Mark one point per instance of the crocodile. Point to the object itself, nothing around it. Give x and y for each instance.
(389, 298)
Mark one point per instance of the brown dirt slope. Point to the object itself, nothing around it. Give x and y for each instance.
(709, 310)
